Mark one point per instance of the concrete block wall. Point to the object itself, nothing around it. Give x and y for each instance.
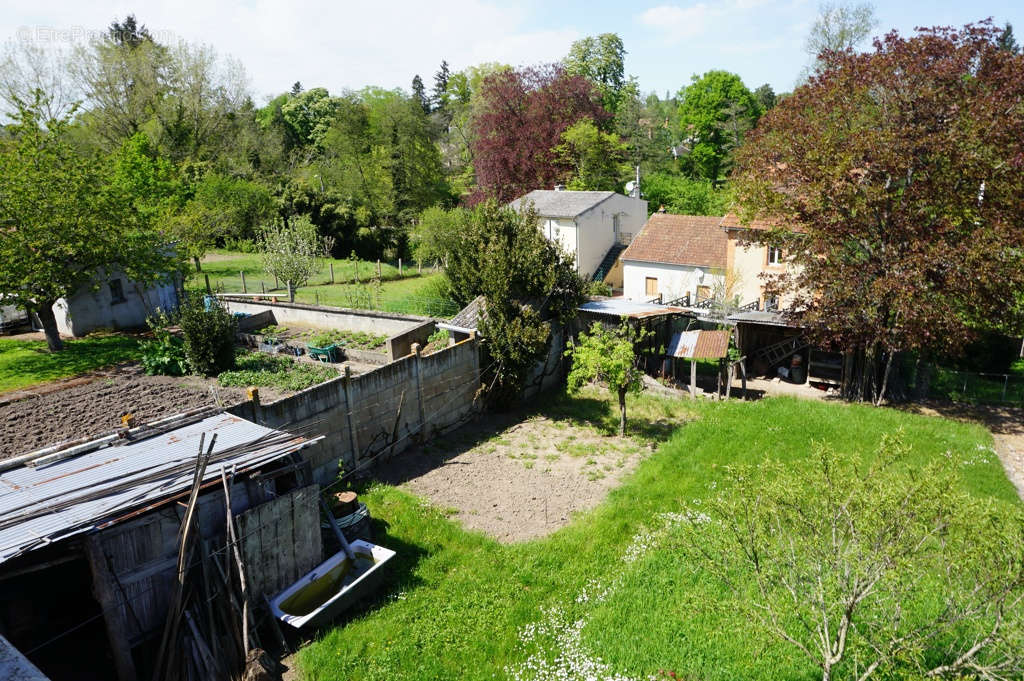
(381, 412)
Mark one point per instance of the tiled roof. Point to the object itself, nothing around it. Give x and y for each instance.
(696, 240)
(561, 204)
(468, 318)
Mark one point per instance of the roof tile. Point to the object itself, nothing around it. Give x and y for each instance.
(696, 240)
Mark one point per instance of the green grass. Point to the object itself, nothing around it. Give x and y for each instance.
(24, 363)
(409, 293)
(456, 602)
(270, 371)
(960, 386)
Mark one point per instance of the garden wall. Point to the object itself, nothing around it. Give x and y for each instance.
(381, 412)
(402, 330)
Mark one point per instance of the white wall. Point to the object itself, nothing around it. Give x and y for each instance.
(597, 228)
(674, 281)
(749, 262)
(562, 231)
(89, 310)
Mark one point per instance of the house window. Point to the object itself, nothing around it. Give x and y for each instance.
(771, 302)
(703, 292)
(774, 255)
(651, 286)
(116, 292)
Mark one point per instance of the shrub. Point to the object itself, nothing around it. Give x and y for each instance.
(166, 354)
(209, 335)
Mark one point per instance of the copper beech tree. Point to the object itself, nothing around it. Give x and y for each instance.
(896, 178)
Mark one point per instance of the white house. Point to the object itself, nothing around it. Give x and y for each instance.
(592, 226)
(675, 256)
(114, 303)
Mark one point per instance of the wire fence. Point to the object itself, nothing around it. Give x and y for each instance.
(976, 387)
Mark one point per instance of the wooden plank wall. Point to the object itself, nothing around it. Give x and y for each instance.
(281, 540)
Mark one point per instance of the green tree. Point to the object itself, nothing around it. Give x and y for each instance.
(869, 570)
(419, 94)
(765, 96)
(608, 356)
(716, 112)
(309, 115)
(220, 207)
(599, 59)
(292, 251)
(1006, 41)
(598, 159)
(63, 223)
(839, 26)
(684, 195)
(152, 181)
(439, 98)
(527, 283)
(437, 233)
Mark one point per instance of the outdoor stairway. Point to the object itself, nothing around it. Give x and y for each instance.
(779, 351)
(609, 260)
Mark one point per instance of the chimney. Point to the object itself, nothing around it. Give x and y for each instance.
(559, 187)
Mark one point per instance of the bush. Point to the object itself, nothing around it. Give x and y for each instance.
(599, 288)
(166, 355)
(209, 335)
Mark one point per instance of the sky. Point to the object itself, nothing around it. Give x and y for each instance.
(345, 44)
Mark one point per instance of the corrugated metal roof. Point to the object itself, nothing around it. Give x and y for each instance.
(699, 345)
(560, 204)
(163, 465)
(620, 307)
(770, 318)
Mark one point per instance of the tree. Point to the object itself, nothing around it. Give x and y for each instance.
(872, 569)
(310, 114)
(685, 196)
(292, 251)
(765, 96)
(527, 283)
(1006, 41)
(63, 224)
(28, 69)
(128, 33)
(437, 233)
(597, 158)
(716, 112)
(599, 59)
(439, 99)
(419, 94)
(903, 198)
(519, 120)
(608, 356)
(839, 26)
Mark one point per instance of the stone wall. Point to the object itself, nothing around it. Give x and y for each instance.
(381, 412)
(402, 330)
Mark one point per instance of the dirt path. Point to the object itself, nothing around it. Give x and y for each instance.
(516, 479)
(1006, 425)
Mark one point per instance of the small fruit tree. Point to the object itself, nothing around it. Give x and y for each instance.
(608, 355)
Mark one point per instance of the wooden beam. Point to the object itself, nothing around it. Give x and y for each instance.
(109, 597)
(693, 378)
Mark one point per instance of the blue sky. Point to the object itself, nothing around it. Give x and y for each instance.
(347, 44)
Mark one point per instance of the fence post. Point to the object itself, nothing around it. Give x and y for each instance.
(399, 268)
(263, 287)
(965, 384)
(1006, 382)
(378, 268)
(332, 272)
(244, 289)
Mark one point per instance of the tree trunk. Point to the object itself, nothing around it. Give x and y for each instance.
(199, 266)
(885, 378)
(291, 293)
(622, 411)
(49, 322)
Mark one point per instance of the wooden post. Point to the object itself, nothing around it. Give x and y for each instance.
(378, 268)
(399, 268)
(263, 287)
(693, 378)
(419, 391)
(743, 373)
(209, 291)
(244, 289)
(346, 386)
(316, 295)
(332, 272)
(105, 590)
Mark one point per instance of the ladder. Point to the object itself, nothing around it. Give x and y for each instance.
(776, 352)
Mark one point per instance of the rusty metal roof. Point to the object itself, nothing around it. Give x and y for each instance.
(620, 307)
(47, 502)
(699, 345)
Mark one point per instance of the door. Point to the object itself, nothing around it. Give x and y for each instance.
(651, 286)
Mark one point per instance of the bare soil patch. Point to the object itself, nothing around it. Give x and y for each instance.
(1005, 423)
(93, 405)
(516, 479)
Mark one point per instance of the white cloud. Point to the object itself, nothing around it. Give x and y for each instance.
(677, 23)
(336, 45)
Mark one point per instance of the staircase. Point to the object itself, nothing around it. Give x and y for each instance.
(779, 351)
(609, 260)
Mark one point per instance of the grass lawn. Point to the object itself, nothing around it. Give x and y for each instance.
(24, 362)
(604, 596)
(410, 293)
